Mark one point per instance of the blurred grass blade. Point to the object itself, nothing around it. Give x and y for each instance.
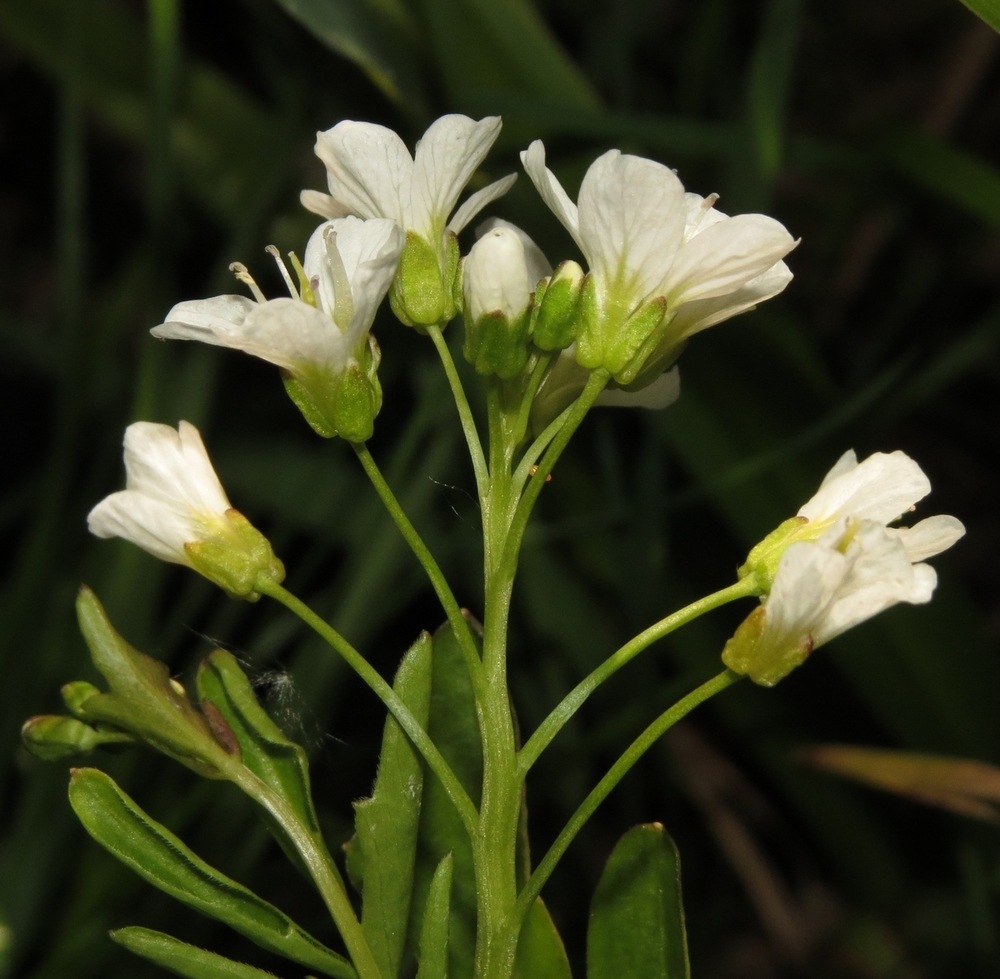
(387, 823)
(965, 786)
(770, 81)
(636, 926)
(160, 858)
(988, 10)
(952, 174)
(186, 960)
(377, 35)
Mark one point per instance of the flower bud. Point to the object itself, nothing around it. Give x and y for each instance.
(499, 277)
(54, 738)
(554, 318)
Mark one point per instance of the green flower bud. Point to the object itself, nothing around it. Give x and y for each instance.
(554, 318)
(54, 738)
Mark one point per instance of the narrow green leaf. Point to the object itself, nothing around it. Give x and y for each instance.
(540, 950)
(637, 918)
(434, 934)
(988, 10)
(160, 858)
(186, 960)
(272, 757)
(453, 726)
(387, 823)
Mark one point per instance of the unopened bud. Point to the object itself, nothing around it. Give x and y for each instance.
(554, 319)
(53, 738)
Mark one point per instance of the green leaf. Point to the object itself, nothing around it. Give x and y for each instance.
(160, 858)
(453, 727)
(144, 700)
(540, 950)
(387, 823)
(434, 934)
(988, 10)
(637, 919)
(186, 960)
(273, 758)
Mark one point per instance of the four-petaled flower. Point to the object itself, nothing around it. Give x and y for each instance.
(174, 507)
(320, 334)
(371, 174)
(663, 264)
(838, 563)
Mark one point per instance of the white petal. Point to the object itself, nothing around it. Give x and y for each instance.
(480, 199)
(845, 464)
(662, 393)
(208, 320)
(725, 256)
(446, 158)
(538, 265)
(146, 522)
(290, 333)
(805, 585)
(881, 488)
(322, 204)
(550, 190)
(692, 317)
(370, 250)
(632, 217)
(496, 278)
(369, 170)
(930, 537)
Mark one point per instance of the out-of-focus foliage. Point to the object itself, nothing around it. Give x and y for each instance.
(146, 146)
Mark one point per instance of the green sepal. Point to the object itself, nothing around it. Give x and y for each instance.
(160, 858)
(635, 341)
(143, 700)
(762, 561)
(496, 346)
(434, 933)
(590, 326)
(554, 318)
(237, 560)
(183, 959)
(417, 295)
(75, 693)
(768, 663)
(540, 950)
(452, 277)
(387, 823)
(356, 403)
(281, 764)
(53, 738)
(311, 412)
(453, 727)
(636, 928)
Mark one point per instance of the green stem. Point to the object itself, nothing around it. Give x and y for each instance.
(321, 868)
(572, 702)
(464, 411)
(459, 623)
(534, 383)
(435, 761)
(574, 417)
(614, 775)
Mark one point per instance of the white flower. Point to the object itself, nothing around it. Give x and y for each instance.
(657, 253)
(839, 564)
(501, 271)
(174, 507)
(371, 174)
(320, 334)
(349, 265)
(172, 497)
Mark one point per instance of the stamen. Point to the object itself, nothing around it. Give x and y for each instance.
(343, 301)
(243, 274)
(709, 202)
(276, 255)
(307, 288)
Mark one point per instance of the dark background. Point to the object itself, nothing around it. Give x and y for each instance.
(144, 147)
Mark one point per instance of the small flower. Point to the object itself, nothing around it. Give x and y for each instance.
(837, 564)
(174, 507)
(320, 334)
(500, 275)
(663, 264)
(371, 174)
